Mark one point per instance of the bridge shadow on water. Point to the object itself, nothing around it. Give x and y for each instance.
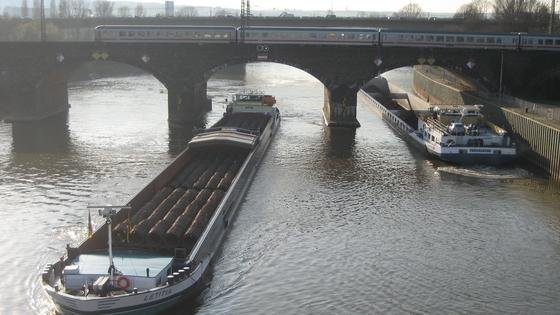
(50, 135)
(339, 142)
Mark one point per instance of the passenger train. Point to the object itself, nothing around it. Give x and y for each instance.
(324, 36)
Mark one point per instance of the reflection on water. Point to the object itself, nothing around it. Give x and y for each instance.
(339, 142)
(336, 221)
(50, 135)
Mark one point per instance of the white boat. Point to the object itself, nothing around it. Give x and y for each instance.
(454, 133)
(154, 251)
(461, 135)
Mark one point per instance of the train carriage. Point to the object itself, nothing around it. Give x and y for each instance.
(539, 42)
(310, 35)
(449, 40)
(165, 34)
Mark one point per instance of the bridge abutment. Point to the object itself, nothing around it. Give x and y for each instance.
(339, 107)
(188, 103)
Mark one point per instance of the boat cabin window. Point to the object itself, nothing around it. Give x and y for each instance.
(255, 98)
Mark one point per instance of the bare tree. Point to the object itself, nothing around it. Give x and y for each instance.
(220, 12)
(139, 11)
(79, 8)
(474, 11)
(63, 9)
(24, 9)
(52, 9)
(520, 15)
(411, 11)
(103, 8)
(123, 11)
(187, 11)
(36, 11)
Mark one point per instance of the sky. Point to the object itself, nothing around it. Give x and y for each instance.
(440, 6)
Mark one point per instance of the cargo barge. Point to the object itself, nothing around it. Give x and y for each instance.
(153, 252)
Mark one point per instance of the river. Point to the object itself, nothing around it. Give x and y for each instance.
(336, 221)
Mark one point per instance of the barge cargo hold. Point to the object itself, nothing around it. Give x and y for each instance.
(166, 236)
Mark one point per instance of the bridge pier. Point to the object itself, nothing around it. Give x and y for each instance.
(33, 98)
(339, 107)
(188, 103)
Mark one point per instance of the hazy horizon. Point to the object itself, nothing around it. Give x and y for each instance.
(431, 6)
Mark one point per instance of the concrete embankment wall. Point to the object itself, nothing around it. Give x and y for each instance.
(539, 143)
(435, 92)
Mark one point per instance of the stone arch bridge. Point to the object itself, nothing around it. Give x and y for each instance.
(33, 75)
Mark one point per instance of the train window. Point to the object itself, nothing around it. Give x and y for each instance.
(351, 36)
(420, 38)
(450, 38)
(548, 42)
(490, 40)
(368, 36)
(264, 34)
(499, 40)
(540, 41)
(131, 33)
(470, 39)
(460, 39)
(557, 42)
(207, 36)
(141, 33)
(430, 38)
(530, 41)
(480, 39)
(122, 33)
(439, 38)
(332, 36)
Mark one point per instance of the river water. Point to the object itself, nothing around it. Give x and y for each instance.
(336, 221)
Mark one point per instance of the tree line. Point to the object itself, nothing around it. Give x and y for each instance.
(515, 15)
(512, 15)
(84, 9)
